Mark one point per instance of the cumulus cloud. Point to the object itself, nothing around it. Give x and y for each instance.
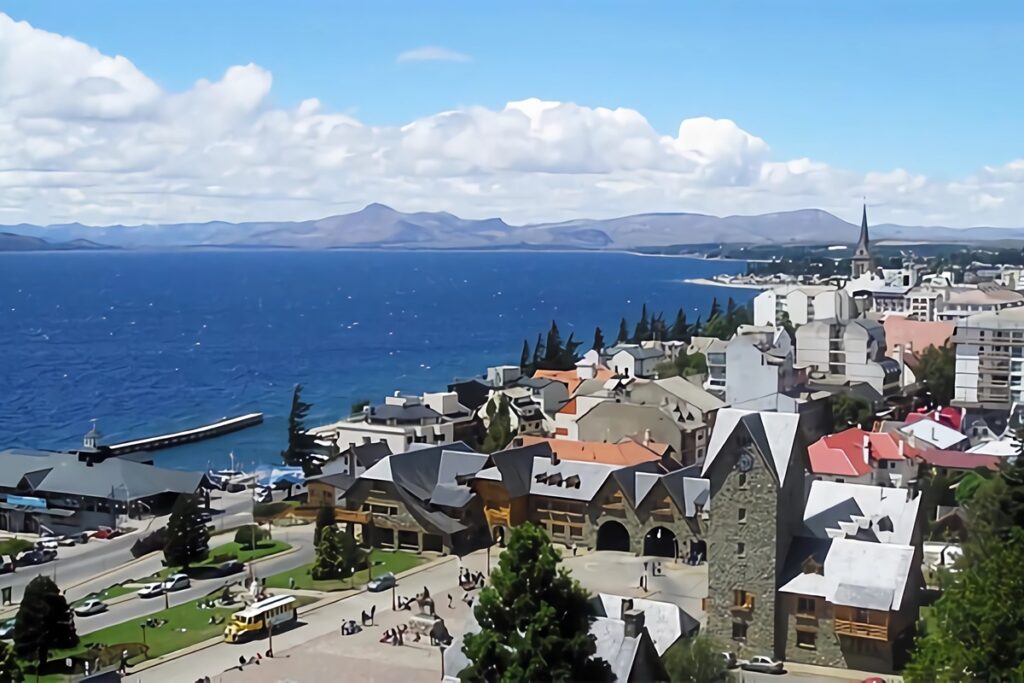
(432, 53)
(88, 137)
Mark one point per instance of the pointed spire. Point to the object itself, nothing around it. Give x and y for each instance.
(863, 242)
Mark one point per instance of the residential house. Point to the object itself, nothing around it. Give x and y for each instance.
(666, 622)
(533, 402)
(958, 303)
(947, 463)
(801, 304)
(853, 350)
(420, 500)
(713, 350)
(338, 475)
(760, 365)
(624, 453)
(862, 457)
(848, 595)
(633, 360)
(926, 433)
(45, 490)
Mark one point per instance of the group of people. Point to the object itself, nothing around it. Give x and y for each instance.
(469, 580)
(396, 636)
(350, 627)
(243, 662)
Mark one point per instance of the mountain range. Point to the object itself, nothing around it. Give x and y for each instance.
(379, 226)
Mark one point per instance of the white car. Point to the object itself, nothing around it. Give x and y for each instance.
(7, 630)
(176, 582)
(151, 590)
(90, 607)
(48, 543)
(762, 664)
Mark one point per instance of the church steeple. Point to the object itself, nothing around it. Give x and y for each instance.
(862, 261)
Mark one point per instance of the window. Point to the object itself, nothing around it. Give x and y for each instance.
(806, 606)
(741, 515)
(743, 599)
(739, 630)
(741, 550)
(558, 530)
(808, 640)
(743, 480)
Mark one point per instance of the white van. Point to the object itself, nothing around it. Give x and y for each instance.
(176, 582)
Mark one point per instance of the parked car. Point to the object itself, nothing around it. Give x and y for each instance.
(176, 582)
(37, 556)
(151, 590)
(7, 629)
(68, 541)
(47, 543)
(381, 583)
(90, 607)
(730, 661)
(106, 533)
(762, 664)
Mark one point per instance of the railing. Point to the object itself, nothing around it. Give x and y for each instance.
(844, 627)
(806, 621)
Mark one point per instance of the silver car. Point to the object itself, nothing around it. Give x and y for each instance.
(762, 664)
(90, 607)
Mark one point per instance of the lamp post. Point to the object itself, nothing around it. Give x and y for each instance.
(143, 627)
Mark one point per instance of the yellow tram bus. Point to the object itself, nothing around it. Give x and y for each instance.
(254, 620)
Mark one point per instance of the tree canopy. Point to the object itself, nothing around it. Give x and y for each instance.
(337, 555)
(974, 631)
(534, 619)
(850, 411)
(623, 335)
(324, 519)
(936, 371)
(44, 622)
(695, 660)
(188, 539)
(499, 427)
(598, 344)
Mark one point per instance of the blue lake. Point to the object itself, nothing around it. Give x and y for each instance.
(148, 342)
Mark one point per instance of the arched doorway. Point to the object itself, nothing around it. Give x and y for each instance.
(698, 551)
(499, 535)
(661, 542)
(613, 536)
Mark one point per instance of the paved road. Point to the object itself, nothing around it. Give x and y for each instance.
(138, 608)
(77, 567)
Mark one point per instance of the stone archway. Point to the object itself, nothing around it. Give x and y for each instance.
(661, 542)
(698, 551)
(613, 535)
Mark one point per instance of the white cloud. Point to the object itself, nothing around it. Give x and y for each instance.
(88, 137)
(432, 53)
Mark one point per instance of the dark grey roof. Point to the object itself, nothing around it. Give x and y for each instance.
(112, 478)
(639, 352)
(415, 412)
(533, 382)
(516, 466)
(339, 480)
(369, 454)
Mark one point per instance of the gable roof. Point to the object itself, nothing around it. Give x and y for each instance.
(774, 434)
(687, 391)
(960, 460)
(935, 433)
(842, 454)
(665, 621)
(876, 513)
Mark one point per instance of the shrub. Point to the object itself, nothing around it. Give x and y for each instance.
(250, 534)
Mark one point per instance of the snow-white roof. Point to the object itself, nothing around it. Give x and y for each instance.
(665, 621)
(592, 476)
(859, 574)
(935, 433)
(773, 433)
(1003, 448)
(840, 510)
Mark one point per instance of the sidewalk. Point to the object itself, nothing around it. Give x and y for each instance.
(839, 674)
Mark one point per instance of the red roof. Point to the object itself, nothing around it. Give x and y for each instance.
(842, 454)
(951, 417)
(958, 460)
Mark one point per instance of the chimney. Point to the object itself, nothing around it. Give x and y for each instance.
(554, 457)
(627, 605)
(867, 449)
(899, 447)
(634, 620)
(647, 437)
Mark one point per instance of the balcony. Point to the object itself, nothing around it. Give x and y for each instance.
(856, 629)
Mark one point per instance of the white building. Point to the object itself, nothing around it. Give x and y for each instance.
(633, 360)
(399, 422)
(854, 350)
(989, 360)
(759, 363)
(802, 303)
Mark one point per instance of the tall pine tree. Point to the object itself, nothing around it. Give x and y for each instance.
(538, 352)
(623, 336)
(499, 426)
(598, 344)
(642, 331)
(679, 331)
(324, 519)
(301, 445)
(524, 357)
(188, 539)
(534, 620)
(44, 622)
(553, 347)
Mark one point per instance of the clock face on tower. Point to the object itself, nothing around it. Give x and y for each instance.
(745, 462)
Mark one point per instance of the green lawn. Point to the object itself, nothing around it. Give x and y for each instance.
(186, 625)
(394, 562)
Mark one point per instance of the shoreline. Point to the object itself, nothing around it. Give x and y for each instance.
(731, 285)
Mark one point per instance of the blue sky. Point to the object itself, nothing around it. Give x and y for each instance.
(933, 87)
(906, 102)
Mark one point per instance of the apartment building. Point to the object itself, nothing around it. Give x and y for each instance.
(854, 350)
(802, 304)
(989, 360)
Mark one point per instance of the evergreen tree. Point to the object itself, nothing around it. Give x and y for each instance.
(715, 310)
(524, 357)
(10, 671)
(553, 347)
(936, 370)
(623, 332)
(499, 427)
(679, 330)
(329, 562)
(44, 622)
(534, 619)
(730, 311)
(188, 539)
(642, 331)
(659, 330)
(538, 352)
(698, 328)
(324, 519)
(785, 323)
(598, 344)
(974, 631)
(567, 359)
(301, 445)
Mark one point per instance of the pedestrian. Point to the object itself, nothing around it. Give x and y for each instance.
(124, 661)
(449, 601)
(241, 662)
(574, 548)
